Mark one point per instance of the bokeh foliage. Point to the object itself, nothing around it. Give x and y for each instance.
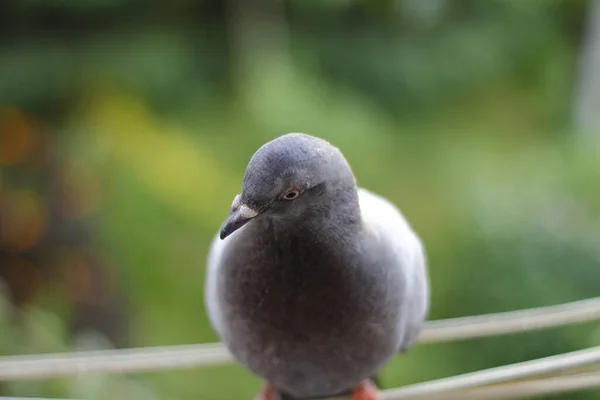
(127, 125)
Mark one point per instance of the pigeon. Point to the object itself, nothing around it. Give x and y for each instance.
(313, 283)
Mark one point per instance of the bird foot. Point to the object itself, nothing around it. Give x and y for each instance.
(268, 393)
(366, 391)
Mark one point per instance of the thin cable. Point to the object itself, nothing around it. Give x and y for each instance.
(526, 389)
(510, 322)
(506, 373)
(187, 356)
(112, 361)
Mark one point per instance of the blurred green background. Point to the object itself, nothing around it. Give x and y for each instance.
(126, 126)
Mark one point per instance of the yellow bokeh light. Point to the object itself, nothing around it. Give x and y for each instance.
(167, 159)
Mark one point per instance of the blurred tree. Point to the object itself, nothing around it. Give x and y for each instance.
(587, 99)
(47, 231)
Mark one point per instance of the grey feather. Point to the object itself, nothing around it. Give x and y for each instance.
(317, 293)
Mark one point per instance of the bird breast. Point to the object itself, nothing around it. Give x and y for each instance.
(297, 309)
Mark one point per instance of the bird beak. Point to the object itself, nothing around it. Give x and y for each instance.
(240, 215)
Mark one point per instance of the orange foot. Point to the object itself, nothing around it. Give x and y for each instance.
(268, 393)
(366, 391)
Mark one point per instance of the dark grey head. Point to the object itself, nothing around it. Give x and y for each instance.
(293, 176)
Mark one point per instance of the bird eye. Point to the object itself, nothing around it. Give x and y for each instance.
(292, 194)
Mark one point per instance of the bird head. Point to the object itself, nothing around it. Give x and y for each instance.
(292, 177)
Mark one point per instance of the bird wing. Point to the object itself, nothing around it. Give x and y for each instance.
(383, 219)
(215, 254)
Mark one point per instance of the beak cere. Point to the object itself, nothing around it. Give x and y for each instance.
(247, 212)
(239, 217)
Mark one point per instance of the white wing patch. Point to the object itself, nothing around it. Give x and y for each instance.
(210, 289)
(384, 220)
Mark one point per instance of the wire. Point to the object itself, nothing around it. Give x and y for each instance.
(552, 364)
(29, 398)
(526, 389)
(187, 356)
(511, 322)
(112, 361)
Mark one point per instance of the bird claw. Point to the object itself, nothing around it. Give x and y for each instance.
(366, 391)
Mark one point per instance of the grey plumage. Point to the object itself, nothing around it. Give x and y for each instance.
(317, 292)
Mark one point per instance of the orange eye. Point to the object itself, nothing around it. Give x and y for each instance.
(292, 194)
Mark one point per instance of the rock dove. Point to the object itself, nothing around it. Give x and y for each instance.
(313, 283)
